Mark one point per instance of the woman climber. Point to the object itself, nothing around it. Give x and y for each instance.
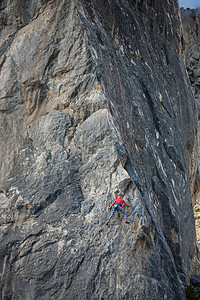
(117, 206)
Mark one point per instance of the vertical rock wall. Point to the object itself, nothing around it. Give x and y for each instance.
(94, 99)
(191, 30)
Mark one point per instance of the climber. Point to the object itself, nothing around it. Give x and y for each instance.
(117, 206)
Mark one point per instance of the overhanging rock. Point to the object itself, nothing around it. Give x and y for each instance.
(95, 100)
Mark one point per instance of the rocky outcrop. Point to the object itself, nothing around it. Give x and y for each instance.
(191, 26)
(94, 101)
(191, 30)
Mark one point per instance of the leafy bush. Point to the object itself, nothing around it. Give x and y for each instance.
(191, 293)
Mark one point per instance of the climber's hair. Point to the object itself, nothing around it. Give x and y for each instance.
(120, 195)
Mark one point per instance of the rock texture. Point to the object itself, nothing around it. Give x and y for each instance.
(94, 99)
(191, 30)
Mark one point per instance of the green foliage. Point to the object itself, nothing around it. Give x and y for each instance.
(197, 218)
(191, 293)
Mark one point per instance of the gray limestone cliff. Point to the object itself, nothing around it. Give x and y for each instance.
(95, 100)
(191, 30)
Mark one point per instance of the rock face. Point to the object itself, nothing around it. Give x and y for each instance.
(191, 26)
(94, 99)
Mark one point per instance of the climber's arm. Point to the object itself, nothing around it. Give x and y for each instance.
(128, 205)
(109, 207)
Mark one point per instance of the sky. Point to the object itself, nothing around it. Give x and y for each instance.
(189, 3)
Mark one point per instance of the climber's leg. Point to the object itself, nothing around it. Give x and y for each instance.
(112, 214)
(122, 211)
